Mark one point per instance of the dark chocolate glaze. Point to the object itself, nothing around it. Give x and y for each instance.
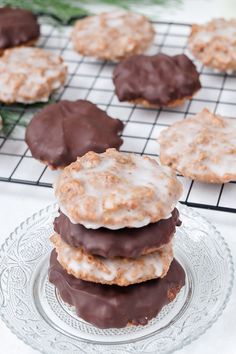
(127, 242)
(17, 26)
(65, 130)
(159, 79)
(112, 306)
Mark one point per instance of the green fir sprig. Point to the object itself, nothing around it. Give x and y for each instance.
(66, 10)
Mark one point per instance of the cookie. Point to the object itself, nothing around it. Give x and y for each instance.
(127, 242)
(121, 306)
(116, 190)
(113, 35)
(119, 271)
(62, 131)
(17, 27)
(156, 81)
(202, 147)
(29, 75)
(214, 44)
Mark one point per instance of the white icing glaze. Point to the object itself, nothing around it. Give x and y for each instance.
(227, 30)
(113, 34)
(128, 271)
(214, 43)
(142, 192)
(29, 74)
(201, 146)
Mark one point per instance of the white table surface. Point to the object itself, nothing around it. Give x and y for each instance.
(19, 202)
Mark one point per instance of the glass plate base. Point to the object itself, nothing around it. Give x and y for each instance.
(34, 311)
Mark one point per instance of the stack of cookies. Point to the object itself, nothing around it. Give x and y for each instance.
(113, 258)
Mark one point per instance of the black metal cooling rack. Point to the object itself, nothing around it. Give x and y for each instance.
(91, 79)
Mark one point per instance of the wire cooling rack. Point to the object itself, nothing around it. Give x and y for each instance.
(92, 79)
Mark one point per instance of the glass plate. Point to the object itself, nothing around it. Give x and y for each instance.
(34, 311)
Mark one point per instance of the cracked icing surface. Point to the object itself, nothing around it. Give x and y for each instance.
(119, 271)
(113, 35)
(202, 147)
(30, 75)
(116, 190)
(215, 44)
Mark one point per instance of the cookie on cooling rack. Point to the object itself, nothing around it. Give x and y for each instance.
(119, 271)
(156, 81)
(214, 44)
(17, 27)
(121, 306)
(98, 189)
(113, 35)
(62, 131)
(29, 75)
(202, 147)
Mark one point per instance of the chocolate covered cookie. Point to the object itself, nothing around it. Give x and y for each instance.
(126, 242)
(17, 27)
(112, 306)
(156, 81)
(62, 131)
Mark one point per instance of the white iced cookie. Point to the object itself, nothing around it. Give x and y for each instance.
(30, 75)
(202, 147)
(119, 271)
(116, 190)
(215, 44)
(113, 35)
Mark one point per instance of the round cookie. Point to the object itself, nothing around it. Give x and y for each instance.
(214, 44)
(119, 271)
(17, 27)
(121, 306)
(29, 75)
(202, 147)
(127, 242)
(62, 131)
(156, 81)
(116, 190)
(113, 35)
